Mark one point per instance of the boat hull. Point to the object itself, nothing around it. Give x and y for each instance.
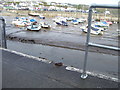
(30, 28)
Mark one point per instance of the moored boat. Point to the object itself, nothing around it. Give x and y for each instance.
(34, 27)
(34, 14)
(75, 22)
(21, 21)
(61, 23)
(104, 25)
(45, 25)
(109, 22)
(94, 30)
(41, 17)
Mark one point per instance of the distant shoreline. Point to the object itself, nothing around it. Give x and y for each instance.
(58, 13)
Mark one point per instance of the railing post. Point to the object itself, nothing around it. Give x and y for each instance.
(84, 75)
(4, 43)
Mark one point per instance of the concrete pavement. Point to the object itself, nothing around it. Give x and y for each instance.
(20, 71)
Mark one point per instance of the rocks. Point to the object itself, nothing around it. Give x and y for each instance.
(59, 64)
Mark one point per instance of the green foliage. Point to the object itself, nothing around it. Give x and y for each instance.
(81, 6)
(9, 2)
(44, 3)
(36, 5)
(62, 6)
(17, 2)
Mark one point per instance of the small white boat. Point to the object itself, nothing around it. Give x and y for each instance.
(94, 30)
(15, 20)
(41, 17)
(34, 14)
(45, 25)
(21, 22)
(59, 22)
(59, 19)
(81, 20)
(104, 25)
(34, 27)
(70, 18)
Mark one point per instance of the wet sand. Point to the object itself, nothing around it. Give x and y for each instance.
(63, 36)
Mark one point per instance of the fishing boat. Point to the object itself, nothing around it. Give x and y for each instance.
(94, 30)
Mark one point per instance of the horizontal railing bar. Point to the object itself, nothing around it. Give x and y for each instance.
(103, 46)
(1, 18)
(105, 6)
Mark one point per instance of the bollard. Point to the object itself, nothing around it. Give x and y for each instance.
(4, 44)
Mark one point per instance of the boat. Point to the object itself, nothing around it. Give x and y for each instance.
(94, 30)
(61, 23)
(33, 20)
(98, 27)
(34, 14)
(15, 21)
(21, 21)
(44, 25)
(81, 20)
(109, 22)
(104, 25)
(58, 18)
(70, 18)
(34, 27)
(20, 24)
(41, 17)
(75, 22)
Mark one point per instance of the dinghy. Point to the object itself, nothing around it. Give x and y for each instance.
(34, 27)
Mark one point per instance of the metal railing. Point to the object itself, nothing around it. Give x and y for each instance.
(84, 74)
(4, 43)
